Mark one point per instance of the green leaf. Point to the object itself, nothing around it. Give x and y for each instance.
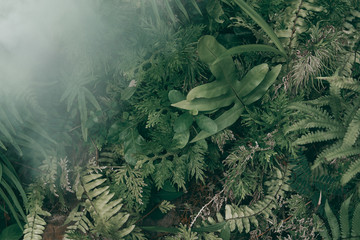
(251, 80)
(215, 10)
(211, 228)
(175, 96)
(248, 48)
(204, 104)
(259, 20)
(355, 228)
(225, 232)
(344, 218)
(182, 8)
(89, 96)
(83, 114)
(170, 11)
(208, 90)
(181, 139)
(183, 122)
(261, 89)
(225, 120)
(193, 2)
(127, 93)
(209, 50)
(206, 124)
(12, 232)
(334, 225)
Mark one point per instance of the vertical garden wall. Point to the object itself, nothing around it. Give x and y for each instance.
(174, 119)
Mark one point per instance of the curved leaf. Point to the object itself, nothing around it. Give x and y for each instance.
(259, 20)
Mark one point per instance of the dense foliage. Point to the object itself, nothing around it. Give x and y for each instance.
(215, 119)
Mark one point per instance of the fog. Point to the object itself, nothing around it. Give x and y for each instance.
(38, 38)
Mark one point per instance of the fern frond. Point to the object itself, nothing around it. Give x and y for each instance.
(355, 228)
(294, 19)
(353, 130)
(342, 152)
(78, 220)
(319, 136)
(313, 123)
(351, 172)
(244, 216)
(196, 160)
(105, 212)
(35, 226)
(344, 218)
(321, 227)
(333, 222)
(310, 110)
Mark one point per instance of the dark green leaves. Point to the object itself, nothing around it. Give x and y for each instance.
(226, 90)
(183, 123)
(206, 124)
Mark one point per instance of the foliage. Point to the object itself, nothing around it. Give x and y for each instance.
(210, 119)
(347, 228)
(341, 128)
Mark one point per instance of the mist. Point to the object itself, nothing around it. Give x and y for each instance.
(40, 38)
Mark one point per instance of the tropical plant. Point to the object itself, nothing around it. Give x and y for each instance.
(347, 228)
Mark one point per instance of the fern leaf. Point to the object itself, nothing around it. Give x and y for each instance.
(344, 218)
(333, 222)
(321, 227)
(351, 172)
(313, 123)
(310, 110)
(353, 130)
(342, 152)
(105, 212)
(35, 225)
(319, 136)
(355, 228)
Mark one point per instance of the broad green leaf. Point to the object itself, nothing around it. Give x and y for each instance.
(205, 104)
(181, 138)
(208, 90)
(251, 80)
(183, 122)
(206, 124)
(209, 50)
(175, 96)
(261, 89)
(12, 232)
(223, 121)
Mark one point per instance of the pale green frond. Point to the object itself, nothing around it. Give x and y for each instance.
(351, 172)
(353, 130)
(333, 222)
(355, 228)
(319, 136)
(344, 218)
